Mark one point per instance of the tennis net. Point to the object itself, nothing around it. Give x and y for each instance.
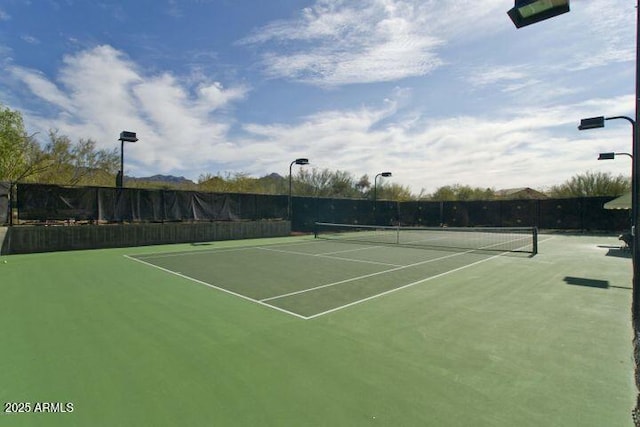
(500, 239)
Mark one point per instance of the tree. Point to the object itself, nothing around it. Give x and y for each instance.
(342, 184)
(326, 183)
(363, 185)
(240, 183)
(592, 184)
(314, 182)
(273, 184)
(80, 163)
(462, 192)
(20, 154)
(395, 192)
(212, 183)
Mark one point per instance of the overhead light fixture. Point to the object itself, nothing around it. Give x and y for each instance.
(527, 12)
(591, 123)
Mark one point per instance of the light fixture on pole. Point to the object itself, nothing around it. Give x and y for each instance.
(375, 185)
(527, 12)
(611, 156)
(125, 136)
(300, 161)
(591, 123)
(599, 122)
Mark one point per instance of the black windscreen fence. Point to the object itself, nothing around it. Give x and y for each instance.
(425, 214)
(586, 213)
(5, 188)
(519, 213)
(37, 202)
(41, 203)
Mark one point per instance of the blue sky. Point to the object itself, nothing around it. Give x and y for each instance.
(439, 92)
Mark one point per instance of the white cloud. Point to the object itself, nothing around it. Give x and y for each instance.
(100, 92)
(186, 123)
(610, 31)
(502, 151)
(40, 86)
(30, 39)
(214, 95)
(490, 75)
(184, 130)
(338, 42)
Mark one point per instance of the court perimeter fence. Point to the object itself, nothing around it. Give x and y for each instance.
(170, 216)
(50, 204)
(4, 202)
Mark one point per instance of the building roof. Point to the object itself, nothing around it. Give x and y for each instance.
(520, 193)
(622, 202)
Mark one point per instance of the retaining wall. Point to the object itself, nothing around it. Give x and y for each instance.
(29, 239)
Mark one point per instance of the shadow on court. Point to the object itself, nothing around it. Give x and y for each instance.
(617, 251)
(591, 283)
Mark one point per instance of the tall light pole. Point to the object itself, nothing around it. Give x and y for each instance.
(125, 136)
(300, 161)
(598, 122)
(375, 186)
(545, 9)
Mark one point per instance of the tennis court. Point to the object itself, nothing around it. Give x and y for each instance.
(348, 266)
(310, 332)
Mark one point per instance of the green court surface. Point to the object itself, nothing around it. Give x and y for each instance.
(300, 332)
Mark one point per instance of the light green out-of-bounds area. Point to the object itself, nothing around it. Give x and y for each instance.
(118, 337)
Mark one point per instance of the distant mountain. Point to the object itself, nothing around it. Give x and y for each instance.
(273, 176)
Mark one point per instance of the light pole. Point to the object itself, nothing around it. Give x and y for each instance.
(544, 9)
(598, 122)
(375, 186)
(300, 161)
(125, 136)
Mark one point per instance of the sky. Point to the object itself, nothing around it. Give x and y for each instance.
(438, 92)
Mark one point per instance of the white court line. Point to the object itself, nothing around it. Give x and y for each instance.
(187, 253)
(427, 240)
(210, 251)
(217, 287)
(349, 250)
(387, 271)
(401, 287)
(366, 276)
(330, 257)
(411, 284)
(299, 316)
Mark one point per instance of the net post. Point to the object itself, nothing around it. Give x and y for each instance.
(535, 241)
(315, 230)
